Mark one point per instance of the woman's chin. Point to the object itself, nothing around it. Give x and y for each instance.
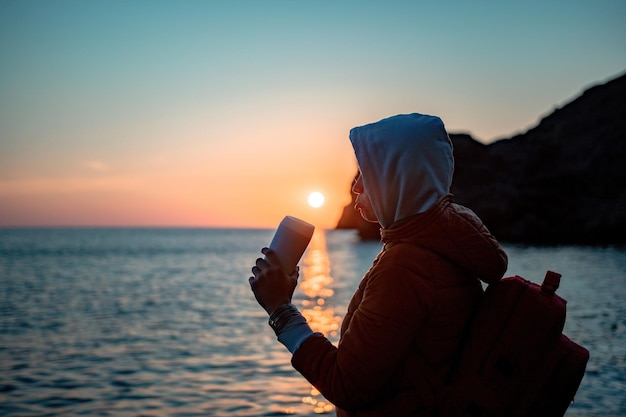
(366, 216)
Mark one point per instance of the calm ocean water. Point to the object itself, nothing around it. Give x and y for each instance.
(161, 322)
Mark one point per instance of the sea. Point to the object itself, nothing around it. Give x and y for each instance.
(162, 322)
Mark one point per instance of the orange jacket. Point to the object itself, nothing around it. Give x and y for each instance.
(406, 321)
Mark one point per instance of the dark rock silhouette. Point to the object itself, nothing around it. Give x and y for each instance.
(563, 181)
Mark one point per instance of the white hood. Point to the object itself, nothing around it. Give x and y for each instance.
(406, 164)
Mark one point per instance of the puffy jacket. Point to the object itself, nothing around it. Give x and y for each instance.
(406, 321)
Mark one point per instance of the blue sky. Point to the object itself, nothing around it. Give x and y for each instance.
(120, 92)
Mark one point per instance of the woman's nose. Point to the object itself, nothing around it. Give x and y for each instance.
(357, 187)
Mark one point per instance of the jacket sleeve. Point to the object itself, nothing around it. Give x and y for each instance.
(394, 304)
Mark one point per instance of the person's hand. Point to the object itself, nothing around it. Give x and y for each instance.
(271, 286)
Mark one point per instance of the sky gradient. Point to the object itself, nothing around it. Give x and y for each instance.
(229, 113)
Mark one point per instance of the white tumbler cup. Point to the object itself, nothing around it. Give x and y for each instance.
(290, 241)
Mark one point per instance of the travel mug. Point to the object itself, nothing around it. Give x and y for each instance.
(290, 241)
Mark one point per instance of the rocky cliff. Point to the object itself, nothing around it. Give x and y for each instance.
(563, 181)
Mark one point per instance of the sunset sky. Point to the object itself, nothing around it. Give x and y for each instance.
(229, 113)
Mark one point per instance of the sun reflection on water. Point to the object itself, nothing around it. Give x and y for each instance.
(316, 286)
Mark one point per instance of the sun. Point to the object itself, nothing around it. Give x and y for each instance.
(316, 199)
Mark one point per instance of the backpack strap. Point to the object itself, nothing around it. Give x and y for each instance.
(551, 283)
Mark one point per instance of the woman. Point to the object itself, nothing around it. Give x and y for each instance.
(407, 318)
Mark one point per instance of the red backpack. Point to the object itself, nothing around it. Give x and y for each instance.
(516, 361)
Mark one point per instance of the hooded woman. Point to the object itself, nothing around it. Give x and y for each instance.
(406, 321)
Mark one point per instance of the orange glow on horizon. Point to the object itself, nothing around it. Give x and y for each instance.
(193, 194)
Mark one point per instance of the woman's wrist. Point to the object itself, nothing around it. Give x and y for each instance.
(290, 326)
(271, 310)
(282, 316)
